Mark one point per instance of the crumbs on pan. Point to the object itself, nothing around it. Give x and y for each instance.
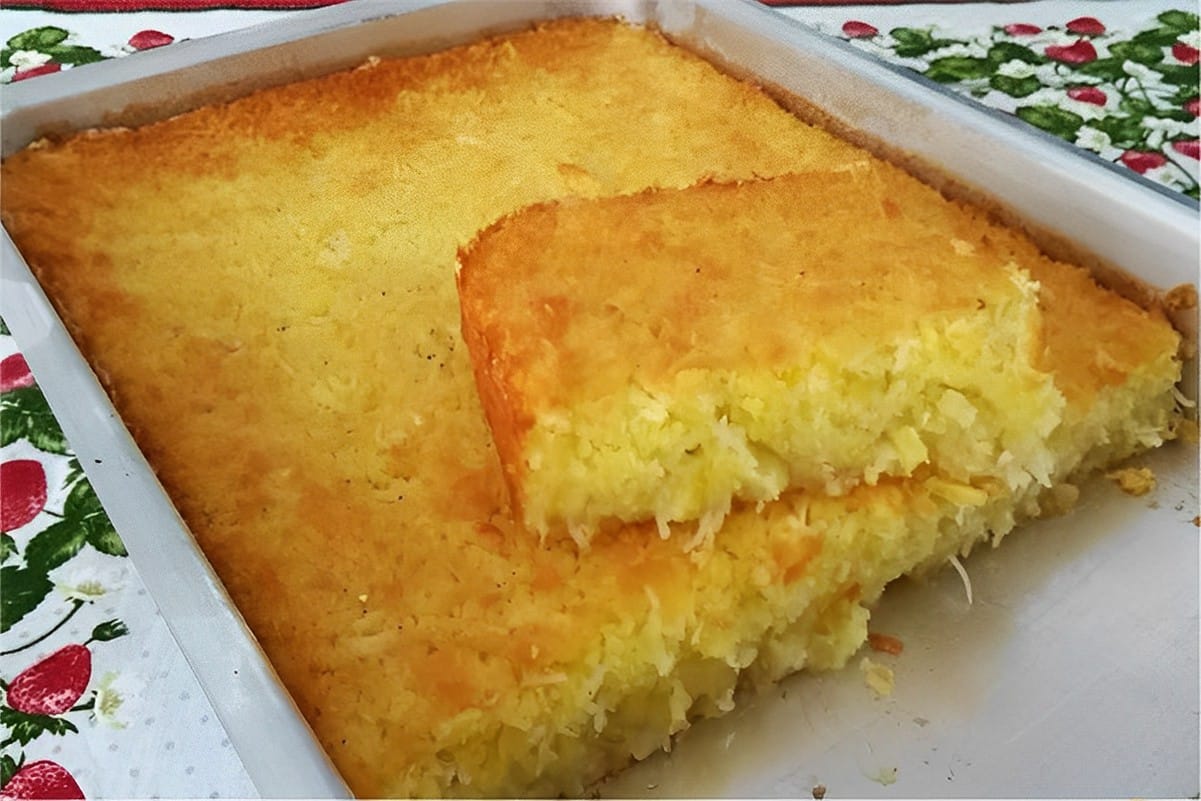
(879, 678)
(885, 643)
(1180, 297)
(1134, 481)
(819, 791)
(1186, 430)
(885, 777)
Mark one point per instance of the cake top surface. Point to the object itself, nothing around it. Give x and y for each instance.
(578, 300)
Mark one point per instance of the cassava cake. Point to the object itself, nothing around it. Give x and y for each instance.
(732, 341)
(267, 288)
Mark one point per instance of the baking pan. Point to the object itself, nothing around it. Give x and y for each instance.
(1074, 672)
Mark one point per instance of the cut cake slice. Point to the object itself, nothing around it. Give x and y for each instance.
(663, 355)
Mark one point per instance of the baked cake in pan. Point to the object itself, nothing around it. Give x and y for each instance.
(267, 289)
(657, 356)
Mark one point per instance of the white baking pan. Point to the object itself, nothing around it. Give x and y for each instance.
(1075, 670)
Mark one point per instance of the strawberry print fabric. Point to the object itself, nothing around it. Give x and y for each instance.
(92, 686)
(1130, 97)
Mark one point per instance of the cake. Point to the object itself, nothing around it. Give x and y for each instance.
(267, 289)
(810, 332)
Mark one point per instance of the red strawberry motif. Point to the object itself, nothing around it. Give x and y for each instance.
(144, 40)
(1088, 94)
(52, 686)
(15, 373)
(855, 29)
(1193, 107)
(1022, 29)
(22, 492)
(1142, 160)
(1186, 53)
(1086, 26)
(33, 72)
(41, 779)
(1189, 147)
(1081, 52)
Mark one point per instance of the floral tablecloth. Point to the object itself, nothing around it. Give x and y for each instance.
(97, 699)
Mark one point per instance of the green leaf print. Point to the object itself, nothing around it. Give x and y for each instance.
(24, 728)
(1136, 106)
(104, 538)
(8, 547)
(24, 414)
(1158, 37)
(1015, 87)
(1051, 119)
(1107, 68)
(916, 42)
(959, 68)
(50, 41)
(1123, 132)
(1179, 75)
(1180, 21)
(24, 589)
(4, 328)
(83, 508)
(37, 38)
(1140, 52)
(54, 545)
(1002, 52)
(74, 472)
(74, 54)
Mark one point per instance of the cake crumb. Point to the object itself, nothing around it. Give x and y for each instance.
(885, 776)
(819, 791)
(1181, 297)
(879, 678)
(1134, 481)
(1059, 500)
(1197, 521)
(885, 643)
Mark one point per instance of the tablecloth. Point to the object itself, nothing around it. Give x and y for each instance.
(98, 700)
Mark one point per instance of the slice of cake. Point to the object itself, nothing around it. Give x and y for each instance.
(659, 356)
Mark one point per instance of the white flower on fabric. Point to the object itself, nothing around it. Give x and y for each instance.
(1172, 128)
(1049, 75)
(1044, 97)
(1089, 111)
(1090, 138)
(88, 583)
(1060, 38)
(1059, 98)
(968, 49)
(111, 695)
(28, 59)
(1016, 69)
(1192, 39)
(1140, 72)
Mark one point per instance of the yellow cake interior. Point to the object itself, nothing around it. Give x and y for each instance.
(729, 342)
(267, 289)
